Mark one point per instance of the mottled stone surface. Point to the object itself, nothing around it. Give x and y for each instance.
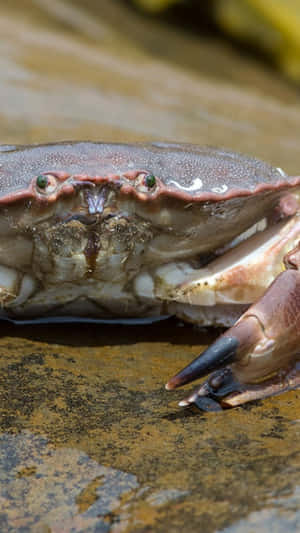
(90, 440)
(94, 394)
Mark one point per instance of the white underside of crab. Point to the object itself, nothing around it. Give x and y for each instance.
(213, 295)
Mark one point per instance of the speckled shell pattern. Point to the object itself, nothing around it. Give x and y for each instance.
(185, 171)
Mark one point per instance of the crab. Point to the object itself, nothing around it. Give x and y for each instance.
(129, 232)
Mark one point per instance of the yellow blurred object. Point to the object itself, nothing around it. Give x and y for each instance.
(155, 6)
(274, 25)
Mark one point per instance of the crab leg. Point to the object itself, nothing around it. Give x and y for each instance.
(263, 341)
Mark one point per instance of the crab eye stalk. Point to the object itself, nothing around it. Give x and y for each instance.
(150, 181)
(46, 183)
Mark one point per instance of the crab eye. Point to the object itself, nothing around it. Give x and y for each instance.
(150, 181)
(46, 183)
(42, 182)
(147, 183)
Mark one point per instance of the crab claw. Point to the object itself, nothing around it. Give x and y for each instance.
(225, 350)
(263, 342)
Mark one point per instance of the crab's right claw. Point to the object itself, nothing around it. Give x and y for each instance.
(264, 342)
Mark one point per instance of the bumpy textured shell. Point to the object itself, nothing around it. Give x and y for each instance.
(186, 171)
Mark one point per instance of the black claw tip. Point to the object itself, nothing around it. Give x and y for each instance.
(220, 353)
(204, 403)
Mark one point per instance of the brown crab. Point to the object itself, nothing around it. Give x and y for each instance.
(127, 231)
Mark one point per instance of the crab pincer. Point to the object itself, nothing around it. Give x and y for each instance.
(257, 357)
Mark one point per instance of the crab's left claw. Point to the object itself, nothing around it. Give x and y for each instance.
(261, 349)
(227, 349)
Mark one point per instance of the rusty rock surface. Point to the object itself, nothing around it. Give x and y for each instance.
(91, 439)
